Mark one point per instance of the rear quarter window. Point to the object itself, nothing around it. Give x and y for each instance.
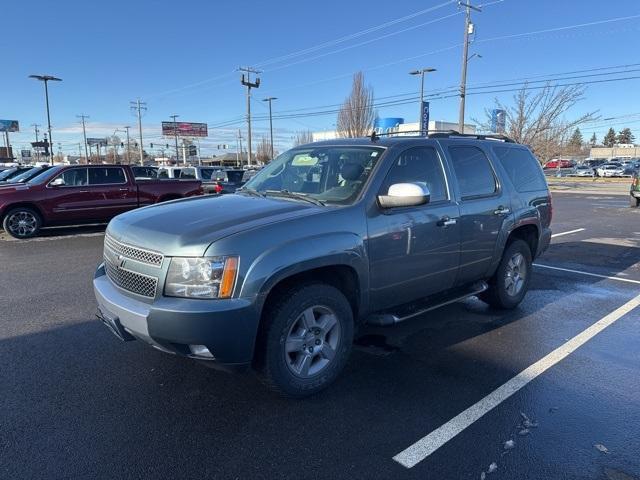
(522, 168)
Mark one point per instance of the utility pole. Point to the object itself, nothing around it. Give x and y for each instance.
(247, 83)
(270, 99)
(468, 30)
(80, 153)
(127, 127)
(175, 136)
(35, 127)
(84, 134)
(139, 106)
(421, 72)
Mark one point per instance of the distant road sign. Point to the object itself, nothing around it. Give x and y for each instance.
(25, 153)
(9, 126)
(97, 141)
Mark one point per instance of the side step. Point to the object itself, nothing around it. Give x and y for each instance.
(405, 312)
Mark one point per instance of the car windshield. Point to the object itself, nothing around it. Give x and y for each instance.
(28, 174)
(43, 177)
(333, 175)
(7, 173)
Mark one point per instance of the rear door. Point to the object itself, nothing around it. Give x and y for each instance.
(484, 206)
(414, 251)
(112, 193)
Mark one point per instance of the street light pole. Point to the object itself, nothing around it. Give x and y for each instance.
(468, 30)
(421, 72)
(270, 99)
(175, 134)
(46, 79)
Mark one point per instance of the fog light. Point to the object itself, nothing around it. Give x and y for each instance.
(200, 351)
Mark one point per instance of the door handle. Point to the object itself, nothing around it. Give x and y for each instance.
(501, 210)
(447, 222)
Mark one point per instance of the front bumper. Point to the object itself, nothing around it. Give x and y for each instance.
(227, 328)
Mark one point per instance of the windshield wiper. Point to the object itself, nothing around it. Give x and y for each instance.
(299, 196)
(251, 191)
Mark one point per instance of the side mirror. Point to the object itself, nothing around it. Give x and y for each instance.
(58, 182)
(405, 195)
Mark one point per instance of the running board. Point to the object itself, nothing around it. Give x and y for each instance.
(385, 319)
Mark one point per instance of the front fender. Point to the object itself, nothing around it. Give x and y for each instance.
(304, 254)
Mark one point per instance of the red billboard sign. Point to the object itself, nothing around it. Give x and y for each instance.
(184, 129)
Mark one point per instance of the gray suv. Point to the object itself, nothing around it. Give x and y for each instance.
(326, 238)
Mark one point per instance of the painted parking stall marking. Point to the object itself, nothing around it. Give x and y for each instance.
(580, 272)
(568, 233)
(427, 445)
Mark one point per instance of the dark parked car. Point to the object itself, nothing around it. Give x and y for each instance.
(327, 237)
(9, 173)
(26, 175)
(233, 179)
(69, 195)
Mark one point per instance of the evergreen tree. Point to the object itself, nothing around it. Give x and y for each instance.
(610, 138)
(576, 139)
(625, 136)
(593, 140)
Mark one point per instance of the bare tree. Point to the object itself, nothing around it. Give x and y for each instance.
(538, 119)
(263, 150)
(356, 115)
(302, 137)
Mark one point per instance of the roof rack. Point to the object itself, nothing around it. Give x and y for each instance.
(490, 136)
(444, 134)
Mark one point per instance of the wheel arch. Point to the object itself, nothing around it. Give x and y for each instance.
(30, 205)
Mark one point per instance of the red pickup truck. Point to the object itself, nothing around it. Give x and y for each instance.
(71, 195)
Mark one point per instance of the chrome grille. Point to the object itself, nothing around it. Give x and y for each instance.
(133, 253)
(133, 282)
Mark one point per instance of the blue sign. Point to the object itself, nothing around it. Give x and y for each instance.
(9, 126)
(498, 120)
(424, 119)
(387, 124)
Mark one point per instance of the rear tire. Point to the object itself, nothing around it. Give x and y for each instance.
(634, 201)
(305, 340)
(22, 222)
(510, 283)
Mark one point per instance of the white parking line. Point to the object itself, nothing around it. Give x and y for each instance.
(424, 447)
(567, 233)
(628, 280)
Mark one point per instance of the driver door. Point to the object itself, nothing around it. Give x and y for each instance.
(414, 251)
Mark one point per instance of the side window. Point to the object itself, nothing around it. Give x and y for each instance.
(522, 167)
(419, 165)
(106, 175)
(188, 173)
(75, 177)
(163, 173)
(473, 171)
(176, 172)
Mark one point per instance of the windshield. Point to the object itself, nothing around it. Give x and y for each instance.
(329, 174)
(28, 174)
(7, 173)
(42, 177)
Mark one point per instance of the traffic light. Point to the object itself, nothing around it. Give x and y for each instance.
(136, 144)
(151, 144)
(167, 146)
(121, 144)
(193, 150)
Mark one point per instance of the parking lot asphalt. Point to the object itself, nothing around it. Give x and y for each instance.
(77, 403)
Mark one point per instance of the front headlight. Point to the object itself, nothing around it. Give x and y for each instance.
(204, 277)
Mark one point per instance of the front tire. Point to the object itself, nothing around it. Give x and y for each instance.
(305, 340)
(510, 283)
(22, 222)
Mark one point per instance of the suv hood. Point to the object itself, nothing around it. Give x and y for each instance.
(187, 227)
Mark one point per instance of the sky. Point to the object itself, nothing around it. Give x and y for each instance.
(181, 58)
